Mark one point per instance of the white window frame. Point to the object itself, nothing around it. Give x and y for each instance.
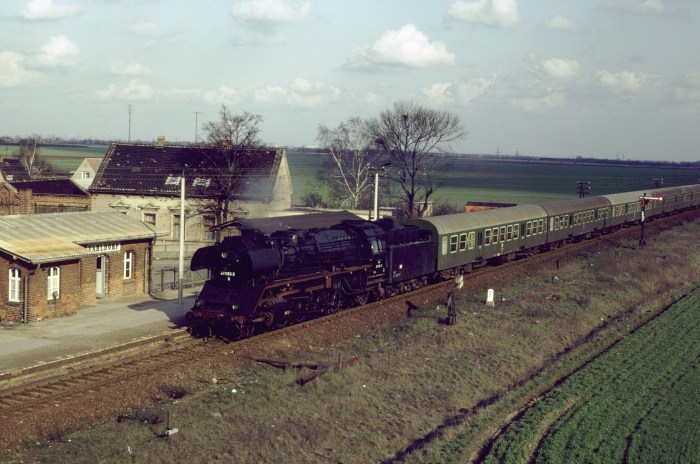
(128, 264)
(15, 281)
(53, 283)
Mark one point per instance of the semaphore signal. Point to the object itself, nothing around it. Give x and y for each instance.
(643, 203)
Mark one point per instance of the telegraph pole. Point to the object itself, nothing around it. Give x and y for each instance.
(129, 140)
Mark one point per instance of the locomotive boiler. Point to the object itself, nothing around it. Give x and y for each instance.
(270, 280)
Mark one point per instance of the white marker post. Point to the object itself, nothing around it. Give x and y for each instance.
(489, 297)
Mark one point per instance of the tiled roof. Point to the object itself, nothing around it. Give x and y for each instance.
(94, 163)
(12, 168)
(43, 238)
(53, 186)
(155, 170)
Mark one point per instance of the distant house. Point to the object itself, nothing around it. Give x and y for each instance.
(51, 195)
(50, 264)
(85, 173)
(473, 206)
(143, 181)
(12, 170)
(48, 195)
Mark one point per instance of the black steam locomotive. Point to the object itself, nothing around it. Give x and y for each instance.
(268, 281)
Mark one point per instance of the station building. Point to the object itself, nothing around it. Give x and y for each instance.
(52, 264)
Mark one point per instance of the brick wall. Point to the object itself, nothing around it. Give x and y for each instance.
(77, 283)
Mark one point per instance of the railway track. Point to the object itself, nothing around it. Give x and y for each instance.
(45, 385)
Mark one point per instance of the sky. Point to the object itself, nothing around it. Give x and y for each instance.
(591, 78)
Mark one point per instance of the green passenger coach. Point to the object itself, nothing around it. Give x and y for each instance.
(469, 240)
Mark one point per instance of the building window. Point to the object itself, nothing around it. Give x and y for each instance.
(207, 224)
(85, 175)
(128, 264)
(54, 283)
(149, 218)
(14, 285)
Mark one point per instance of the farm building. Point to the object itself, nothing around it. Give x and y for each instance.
(50, 195)
(85, 173)
(50, 264)
(143, 182)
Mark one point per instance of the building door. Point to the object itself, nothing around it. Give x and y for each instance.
(100, 277)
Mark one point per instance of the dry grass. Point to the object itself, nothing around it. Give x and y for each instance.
(412, 377)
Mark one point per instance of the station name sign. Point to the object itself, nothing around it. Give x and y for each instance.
(104, 247)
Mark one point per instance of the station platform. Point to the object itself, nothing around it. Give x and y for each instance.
(95, 327)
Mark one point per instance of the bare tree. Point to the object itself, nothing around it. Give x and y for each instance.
(30, 157)
(413, 138)
(237, 138)
(352, 160)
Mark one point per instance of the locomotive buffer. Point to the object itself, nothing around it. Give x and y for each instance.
(643, 203)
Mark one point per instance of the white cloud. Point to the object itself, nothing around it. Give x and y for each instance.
(462, 91)
(133, 91)
(496, 13)
(223, 95)
(47, 9)
(406, 47)
(300, 92)
(270, 11)
(559, 68)
(651, 7)
(561, 23)
(623, 81)
(12, 70)
(58, 51)
(536, 104)
(129, 69)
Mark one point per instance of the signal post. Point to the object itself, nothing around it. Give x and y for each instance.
(643, 203)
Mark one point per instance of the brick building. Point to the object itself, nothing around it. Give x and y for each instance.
(51, 264)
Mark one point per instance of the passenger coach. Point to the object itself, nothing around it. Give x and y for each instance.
(470, 240)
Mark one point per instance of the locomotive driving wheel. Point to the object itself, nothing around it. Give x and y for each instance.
(246, 330)
(334, 301)
(361, 299)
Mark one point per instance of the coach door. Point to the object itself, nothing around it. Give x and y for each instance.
(101, 267)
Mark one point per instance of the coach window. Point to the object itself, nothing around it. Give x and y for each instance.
(128, 264)
(503, 234)
(14, 285)
(540, 226)
(516, 231)
(528, 228)
(444, 245)
(453, 244)
(462, 242)
(494, 234)
(54, 283)
(487, 237)
(509, 233)
(471, 240)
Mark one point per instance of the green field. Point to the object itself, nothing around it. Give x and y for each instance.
(460, 180)
(486, 180)
(638, 402)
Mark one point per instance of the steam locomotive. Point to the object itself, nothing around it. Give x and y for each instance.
(261, 281)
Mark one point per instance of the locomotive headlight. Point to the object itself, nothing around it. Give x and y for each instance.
(234, 307)
(224, 254)
(198, 303)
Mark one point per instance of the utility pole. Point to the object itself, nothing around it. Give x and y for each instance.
(196, 125)
(129, 140)
(182, 238)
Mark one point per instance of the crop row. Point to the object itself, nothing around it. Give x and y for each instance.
(641, 391)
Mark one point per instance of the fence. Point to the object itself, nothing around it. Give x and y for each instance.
(167, 278)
